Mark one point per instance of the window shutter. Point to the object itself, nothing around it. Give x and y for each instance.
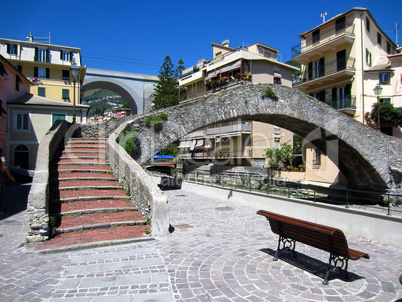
(310, 71)
(8, 48)
(35, 72)
(71, 56)
(335, 98)
(47, 73)
(322, 67)
(47, 55)
(36, 54)
(61, 55)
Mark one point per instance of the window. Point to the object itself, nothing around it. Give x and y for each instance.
(21, 156)
(2, 70)
(368, 57)
(379, 39)
(40, 72)
(367, 24)
(386, 100)
(318, 66)
(42, 55)
(12, 49)
(316, 157)
(384, 78)
(341, 60)
(66, 94)
(340, 24)
(2, 109)
(42, 91)
(17, 83)
(316, 36)
(65, 55)
(57, 117)
(388, 47)
(66, 75)
(22, 121)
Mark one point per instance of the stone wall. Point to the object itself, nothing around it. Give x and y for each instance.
(144, 192)
(38, 199)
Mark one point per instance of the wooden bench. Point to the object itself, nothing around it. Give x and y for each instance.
(319, 236)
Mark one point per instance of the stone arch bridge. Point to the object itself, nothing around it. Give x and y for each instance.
(367, 158)
(136, 89)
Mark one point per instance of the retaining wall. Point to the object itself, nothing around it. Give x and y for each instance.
(144, 191)
(38, 198)
(373, 226)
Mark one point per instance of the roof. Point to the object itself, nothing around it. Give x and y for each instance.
(35, 100)
(39, 44)
(12, 68)
(302, 35)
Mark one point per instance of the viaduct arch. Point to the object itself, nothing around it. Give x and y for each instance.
(135, 89)
(367, 158)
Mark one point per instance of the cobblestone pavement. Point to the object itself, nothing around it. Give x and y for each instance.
(217, 251)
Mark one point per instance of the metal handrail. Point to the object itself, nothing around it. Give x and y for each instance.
(264, 185)
(327, 69)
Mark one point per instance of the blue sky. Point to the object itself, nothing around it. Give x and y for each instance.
(135, 36)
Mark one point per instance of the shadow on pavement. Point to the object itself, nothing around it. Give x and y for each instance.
(312, 265)
(16, 197)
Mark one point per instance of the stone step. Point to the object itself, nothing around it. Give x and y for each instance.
(79, 195)
(78, 223)
(82, 161)
(86, 175)
(94, 238)
(83, 169)
(97, 205)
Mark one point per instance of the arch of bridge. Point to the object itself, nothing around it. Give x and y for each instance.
(135, 89)
(367, 158)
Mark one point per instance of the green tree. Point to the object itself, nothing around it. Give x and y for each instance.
(277, 156)
(170, 150)
(166, 90)
(182, 90)
(389, 115)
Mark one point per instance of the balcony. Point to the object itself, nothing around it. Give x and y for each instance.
(326, 40)
(316, 75)
(229, 129)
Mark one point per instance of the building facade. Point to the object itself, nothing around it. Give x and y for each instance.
(29, 118)
(47, 66)
(13, 84)
(343, 60)
(240, 142)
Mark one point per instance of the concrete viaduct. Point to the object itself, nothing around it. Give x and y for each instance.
(135, 89)
(368, 159)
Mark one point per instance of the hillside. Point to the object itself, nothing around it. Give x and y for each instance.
(101, 99)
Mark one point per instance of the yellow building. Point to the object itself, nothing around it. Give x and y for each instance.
(343, 60)
(48, 67)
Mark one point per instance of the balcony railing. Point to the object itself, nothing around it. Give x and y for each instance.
(229, 128)
(313, 71)
(339, 30)
(348, 102)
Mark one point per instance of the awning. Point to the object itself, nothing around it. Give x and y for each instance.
(225, 68)
(184, 144)
(200, 142)
(277, 75)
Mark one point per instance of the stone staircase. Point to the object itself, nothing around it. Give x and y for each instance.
(88, 207)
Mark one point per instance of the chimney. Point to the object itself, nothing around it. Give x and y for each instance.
(225, 43)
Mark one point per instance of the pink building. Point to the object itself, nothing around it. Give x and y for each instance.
(13, 84)
(123, 112)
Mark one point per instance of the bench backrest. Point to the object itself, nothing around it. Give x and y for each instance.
(319, 236)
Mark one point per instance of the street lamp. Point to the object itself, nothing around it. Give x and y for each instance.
(377, 91)
(75, 71)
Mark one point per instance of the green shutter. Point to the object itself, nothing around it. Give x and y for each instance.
(71, 56)
(8, 48)
(42, 91)
(66, 94)
(47, 55)
(36, 58)
(61, 55)
(47, 73)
